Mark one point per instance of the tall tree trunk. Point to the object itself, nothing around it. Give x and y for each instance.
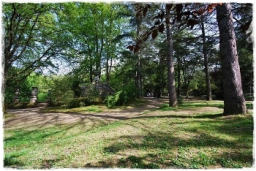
(234, 102)
(139, 77)
(171, 78)
(207, 74)
(159, 73)
(138, 72)
(110, 67)
(107, 70)
(90, 62)
(107, 61)
(179, 75)
(109, 51)
(91, 70)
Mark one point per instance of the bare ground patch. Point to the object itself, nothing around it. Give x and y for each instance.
(32, 117)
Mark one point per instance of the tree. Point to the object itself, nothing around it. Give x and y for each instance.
(207, 74)
(243, 14)
(170, 64)
(186, 56)
(234, 102)
(159, 26)
(138, 66)
(31, 39)
(93, 37)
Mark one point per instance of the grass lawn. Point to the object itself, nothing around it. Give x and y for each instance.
(92, 108)
(181, 137)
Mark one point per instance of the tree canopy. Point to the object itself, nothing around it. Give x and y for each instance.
(137, 49)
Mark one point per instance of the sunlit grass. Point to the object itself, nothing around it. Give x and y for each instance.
(73, 110)
(198, 103)
(94, 108)
(185, 140)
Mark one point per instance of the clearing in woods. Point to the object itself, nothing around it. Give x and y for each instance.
(148, 134)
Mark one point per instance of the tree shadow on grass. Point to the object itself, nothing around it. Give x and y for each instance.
(166, 142)
(201, 116)
(11, 160)
(131, 161)
(164, 149)
(22, 138)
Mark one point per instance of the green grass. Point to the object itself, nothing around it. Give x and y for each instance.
(192, 105)
(197, 104)
(93, 108)
(73, 110)
(194, 141)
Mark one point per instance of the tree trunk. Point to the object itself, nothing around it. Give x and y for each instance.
(207, 74)
(139, 77)
(171, 78)
(138, 72)
(107, 70)
(234, 102)
(179, 75)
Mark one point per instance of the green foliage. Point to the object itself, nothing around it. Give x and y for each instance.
(30, 105)
(42, 97)
(33, 80)
(91, 93)
(102, 25)
(61, 92)
(24, 91)
(80, 102)
(18, 105)
(126, 93)
(246, 69)
(118, 99)
(29, 27)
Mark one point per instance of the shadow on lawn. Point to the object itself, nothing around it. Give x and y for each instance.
(165, 150)
(170, 150)
(23, 137)
(11, 160)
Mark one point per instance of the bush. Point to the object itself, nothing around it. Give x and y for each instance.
(30, 105)
(79, 102)
(62, 98)
(123, 96)
(62, 93)
(118, 99)
(42, 97)
(16, 105)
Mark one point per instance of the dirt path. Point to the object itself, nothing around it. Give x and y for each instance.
(32, 117)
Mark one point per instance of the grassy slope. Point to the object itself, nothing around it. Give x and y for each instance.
(205, 140)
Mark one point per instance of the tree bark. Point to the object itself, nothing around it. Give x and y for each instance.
(171, 78)
(138, 72)
(207, 74)
(234, 102)
(179, 75)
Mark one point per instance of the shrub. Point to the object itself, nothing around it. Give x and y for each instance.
(42, 97)
(62, 93)
(30, 105)
(62, 98)
(17, 105)
(79, 102)
(110, 101)
(118, 99)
